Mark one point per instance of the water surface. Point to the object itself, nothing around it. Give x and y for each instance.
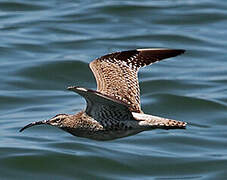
(46, 46)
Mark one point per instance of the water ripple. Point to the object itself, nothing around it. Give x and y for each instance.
(47, 45)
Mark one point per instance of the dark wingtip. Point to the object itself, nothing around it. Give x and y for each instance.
(33, 124)
(175, 52)
(152, 55)
(181, 51)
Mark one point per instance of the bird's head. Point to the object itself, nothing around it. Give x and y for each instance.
(57, 121)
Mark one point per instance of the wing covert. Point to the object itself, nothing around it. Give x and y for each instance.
(102, 107)
(116, 73)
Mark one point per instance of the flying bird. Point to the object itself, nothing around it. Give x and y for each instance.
(114, 110)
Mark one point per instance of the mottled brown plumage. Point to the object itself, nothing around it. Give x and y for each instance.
(116, 73)
(114, 110)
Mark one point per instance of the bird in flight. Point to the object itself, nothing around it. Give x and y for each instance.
(113, 110)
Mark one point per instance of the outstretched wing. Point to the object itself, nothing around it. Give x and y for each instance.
(103, 107)
(116, 73)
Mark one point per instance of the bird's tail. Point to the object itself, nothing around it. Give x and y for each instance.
(150, 121)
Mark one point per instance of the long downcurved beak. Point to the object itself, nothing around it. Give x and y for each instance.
(34, 124)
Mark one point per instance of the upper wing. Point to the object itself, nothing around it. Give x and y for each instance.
(116, 73)
(103, 107)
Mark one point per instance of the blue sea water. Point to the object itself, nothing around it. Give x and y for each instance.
(46, 46)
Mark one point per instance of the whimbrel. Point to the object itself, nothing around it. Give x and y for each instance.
(114, 110)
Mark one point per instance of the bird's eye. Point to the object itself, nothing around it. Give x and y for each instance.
(57, 119)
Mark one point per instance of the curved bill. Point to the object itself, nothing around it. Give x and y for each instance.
(34, 124)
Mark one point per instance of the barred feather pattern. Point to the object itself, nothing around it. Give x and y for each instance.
(117, 73)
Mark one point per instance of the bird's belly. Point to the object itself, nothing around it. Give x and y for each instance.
(104, 135)
(108, 132)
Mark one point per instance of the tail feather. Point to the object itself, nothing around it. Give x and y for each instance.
(169, 124)
(158, 122)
